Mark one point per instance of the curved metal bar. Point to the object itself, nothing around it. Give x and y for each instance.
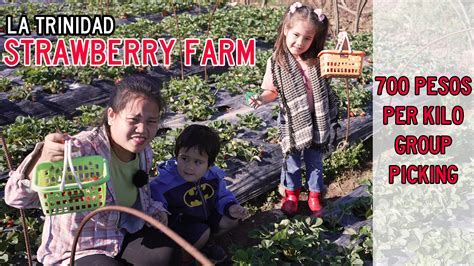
(163, 228)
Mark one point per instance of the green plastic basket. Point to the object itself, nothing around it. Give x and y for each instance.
(93, 174)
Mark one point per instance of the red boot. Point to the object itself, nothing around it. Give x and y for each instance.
(289, 204)
(313, 201)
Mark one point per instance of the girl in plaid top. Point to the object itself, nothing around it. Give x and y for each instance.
(130, 123)
(307, 104)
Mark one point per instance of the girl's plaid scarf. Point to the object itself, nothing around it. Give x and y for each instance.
(300, 128)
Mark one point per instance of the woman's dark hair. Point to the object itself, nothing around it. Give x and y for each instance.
(204, 138)
(132, 87)
(303, 13)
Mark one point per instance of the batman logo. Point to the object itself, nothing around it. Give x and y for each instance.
(192, 198)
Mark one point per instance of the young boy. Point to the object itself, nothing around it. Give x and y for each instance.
(194, 191)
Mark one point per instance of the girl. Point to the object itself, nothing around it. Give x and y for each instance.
(307, 104)
(130, 123)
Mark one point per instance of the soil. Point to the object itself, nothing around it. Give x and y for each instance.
(348, 182)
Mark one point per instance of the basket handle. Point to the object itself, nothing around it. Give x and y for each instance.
(68, 162)
(343, 42)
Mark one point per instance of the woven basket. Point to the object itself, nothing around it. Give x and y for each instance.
(341, 63)
(93, 174)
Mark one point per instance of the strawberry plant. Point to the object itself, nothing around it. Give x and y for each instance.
(226, 130)
(250, 121)
(272, 135)
(367, 74)
(297, 240)
(191, 96)
(142, 27)
(248, 22)
(40, 75)
(344, 159)
(361, 208)
(25, 132)
(91, 115)
(238, 80)
(54, 86)
(359, 97)
(19, 93)
(12, 242)
(163, 147)
(275, 112)
(264, 202)
(124, 10)
(5, 84)
(362, 245)
(114, 73)
(119, 10)
(84, 75)
(239, 149)
(231, 147)
(362, 42)
(189, 25)
(244, 78)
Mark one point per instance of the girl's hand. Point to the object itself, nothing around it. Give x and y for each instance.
(255, 102)
(238, 212)
(264, 98)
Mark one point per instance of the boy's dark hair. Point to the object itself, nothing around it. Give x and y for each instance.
(132, 87)
(204, 138)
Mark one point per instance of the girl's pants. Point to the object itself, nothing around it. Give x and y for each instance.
(291, 174)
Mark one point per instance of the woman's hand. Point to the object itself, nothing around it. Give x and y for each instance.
(238, 212)
(52, 151)
(264, 98)
(53, 148)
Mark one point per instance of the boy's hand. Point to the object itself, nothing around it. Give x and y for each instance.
(162, 217)
(238, 212)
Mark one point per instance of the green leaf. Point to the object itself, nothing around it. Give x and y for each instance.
(4, 257)
(319, 222)
(350, 231)
(285, 222)
(266, 243)
(418, 234)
